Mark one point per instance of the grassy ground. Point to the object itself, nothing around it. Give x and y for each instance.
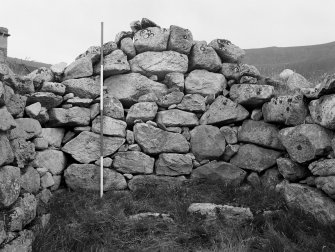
(81, 221)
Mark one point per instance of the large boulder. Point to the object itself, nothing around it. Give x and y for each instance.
(204, 83)
(311, 201)
(324, 167)
(53, 160)
(111, 126)
(203, 56)
(322, 111)
(83, 88)
(53, 136)
(81, 177)
(193, 102)
(153, 140)
(291, 170)
(226, 173)
(180, 40)
(79, 69)
(255, 158)
(6, 152)
(85, 148)
(143, 110)
(142, 182)
(326, 184)
(224, 111)
(151, 39)
(261, 133)
(172, 164)
(227, 51)
(7, 121)
(176, 117)
(27, 128)
(129, 87)
(133, 162)
(207, 142)
(47, 99)
(251, 95)
(288, 110)
(75, 116)
(159, 63)
(306, 141)
(297, 81)
(10, 185)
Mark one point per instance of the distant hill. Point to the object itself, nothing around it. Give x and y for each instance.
(310, 61)
(24, 67)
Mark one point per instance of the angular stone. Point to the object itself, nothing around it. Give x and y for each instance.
(146, 23)
(40, 75)
(297, 81)
(87, 177)
(288, 110)
(255, 158)
(127, 46)
(107, 162)
(79, 69)
(172, 164)
(256, 114)
(54, 160)
(175, 80)
(53, 87)
(9, 185)
(7, 121)
(159, 63)
(113, 107)
(326, 184)
(180, 40)
(47, 180)
(144, 111)
(154, 140)
(230, 151)
(133, 162)
(311, 201)
(6, 152)
(27, 128)
(323, 167)
(47, 99)
(40, 143)
(129, 87)
(193, 102)
(121, 35)
(27, 205)
(176, 117)
(114, 63)
(58, 70)
(261, 133)
(227, 51)
(33, 110)
(75, 116)
(203, 56)
(224, 111)
(322, 111)
(235, 72)
(111, 126)
(53, 136)
(83, 88)
(24, 151)
(251, 95)
(229, 134)
(151, 39)
(76, 101)
(220, 171)
(153, 181)
(254, 180)
(204, 83)
(170, 99)
(30, 180)
(16, 104)
(271, 178)
(207, 142)
(306, 141)
(85, 148)
(290, 170)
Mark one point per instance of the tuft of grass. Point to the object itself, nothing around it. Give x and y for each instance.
(81, 221)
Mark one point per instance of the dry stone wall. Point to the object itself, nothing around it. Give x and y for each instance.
(174, 109)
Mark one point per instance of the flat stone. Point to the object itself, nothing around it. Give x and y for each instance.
(133, 162)
(322, 111)
(180, 40)
(54, 160)
(40, 143)
(235, 72)
(83, 88)
(251, 95)
(85, 148)
(172, 164)
(326, 184)
(128, 88)
(47, 180)
(53, 136)
(30, 180)
(111, 126)
(323, 167)
(10, 185)
(81, 177)
(151, 39)
(175, 80)
(6, 152)
(107, 162)
(288, 110)
(47, 99)
(75, 116)
(170, 99)
(33, 110)
(153, 181)
(255, 158)
(204, 83)
(306, 141)
(220, 171)
(144, 111)
(227, 51)
(176, 117)
(224, 111)
(261, 133)
(76, 101)
(203, 56)
(193, 102)
(79, 69)
(7, 121)
(27, 128)
(53, 87)
(150, 97)
(207, 142)
(291, 170)
(159, 63)
(153, 140)
(114, 63)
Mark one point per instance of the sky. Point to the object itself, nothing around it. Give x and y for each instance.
(53, 31)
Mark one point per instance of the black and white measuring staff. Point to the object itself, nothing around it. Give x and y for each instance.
(101, 113)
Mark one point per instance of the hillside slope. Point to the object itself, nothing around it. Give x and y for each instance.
(311, 61)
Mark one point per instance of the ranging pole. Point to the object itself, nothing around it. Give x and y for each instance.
(102, 113)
